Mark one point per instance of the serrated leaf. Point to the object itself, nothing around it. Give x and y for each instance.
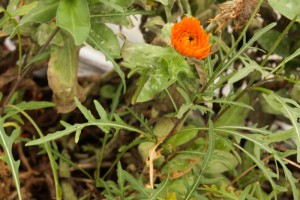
(89, 116)
(268, 173)
(249, 67)
(236, 55)
(74, 16)
(73, 128)
(266, 148)
(290, 109)
(160, 67)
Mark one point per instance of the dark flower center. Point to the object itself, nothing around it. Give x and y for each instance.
(191, 38)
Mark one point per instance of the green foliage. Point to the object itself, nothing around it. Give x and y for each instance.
(6, 142)
(9, 136)
(170, 126)
(288, 8)
(74, 16)
(105, 38)
(42, 13)
(267, 40)
(159, 68)
(103, 123)
(291, 109)
(207, 159)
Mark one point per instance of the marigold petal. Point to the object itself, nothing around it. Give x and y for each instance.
(189, 39)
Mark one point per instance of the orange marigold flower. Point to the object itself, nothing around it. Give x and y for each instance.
(189, 39)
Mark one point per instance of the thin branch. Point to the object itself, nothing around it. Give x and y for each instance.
(292, 163)
(26, 71)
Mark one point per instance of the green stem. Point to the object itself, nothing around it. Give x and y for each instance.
(276, 43)
(172, 100)
(19, 41)
(67, 160)
(48, 150)
(254, 77)
(134, 12)
(20, 53)
(99, 163)
(222, 67)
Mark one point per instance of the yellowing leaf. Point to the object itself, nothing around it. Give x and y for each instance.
(62, 75)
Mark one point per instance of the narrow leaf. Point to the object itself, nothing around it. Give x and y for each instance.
(86, 113)
(207, 158)
(101, 111)
(6, 143)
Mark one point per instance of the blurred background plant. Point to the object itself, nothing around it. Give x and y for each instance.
(159, 125)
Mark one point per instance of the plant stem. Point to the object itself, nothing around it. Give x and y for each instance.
(133, 12)
(48, 150)
(99, 162)
(222, 67)
(276, 43)
(249, 88)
